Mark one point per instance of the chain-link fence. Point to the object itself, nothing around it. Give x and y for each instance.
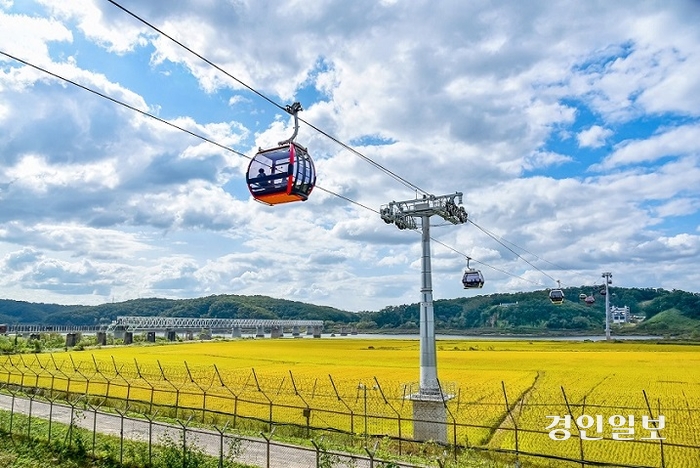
(520, 423)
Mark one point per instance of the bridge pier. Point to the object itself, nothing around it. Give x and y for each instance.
(171, 335)
(128, 338)
(277, 332)
(236, 332)
(151, 337)
(101, 338)
(317, 331)
(71, 340)
(260, 331)
(343, 331)
(295, 331)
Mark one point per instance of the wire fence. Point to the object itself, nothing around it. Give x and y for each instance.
(143, 441)
(562, 428)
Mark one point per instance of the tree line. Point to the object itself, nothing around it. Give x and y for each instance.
(503, 311)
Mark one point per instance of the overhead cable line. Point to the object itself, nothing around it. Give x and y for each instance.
(377, 165)
(263, 96)
(494, 236)
(224, 147)
(485, 264)
(160, 119)
(123, 104)
(511, 250)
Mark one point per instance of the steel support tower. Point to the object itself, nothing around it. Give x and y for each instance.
(607, 280)
(429, 399)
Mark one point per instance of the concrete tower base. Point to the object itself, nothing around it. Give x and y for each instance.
(430, 417)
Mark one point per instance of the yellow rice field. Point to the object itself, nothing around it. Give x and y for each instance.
(360, 385)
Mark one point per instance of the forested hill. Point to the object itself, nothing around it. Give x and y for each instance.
(222, 306)
(664, 311)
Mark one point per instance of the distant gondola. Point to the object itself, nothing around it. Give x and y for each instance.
(556, 295)
(472, 278)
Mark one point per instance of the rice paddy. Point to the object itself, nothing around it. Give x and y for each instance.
(360, 386)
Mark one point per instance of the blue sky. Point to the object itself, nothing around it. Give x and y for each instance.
(572, 128)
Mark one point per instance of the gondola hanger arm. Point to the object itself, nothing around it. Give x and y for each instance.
(293, 109)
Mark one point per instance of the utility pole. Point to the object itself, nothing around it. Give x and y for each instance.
(607, 280)
(429, 412)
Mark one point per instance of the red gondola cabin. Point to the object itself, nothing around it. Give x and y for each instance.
(281, 175)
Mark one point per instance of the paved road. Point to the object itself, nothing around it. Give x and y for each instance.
(254, 451)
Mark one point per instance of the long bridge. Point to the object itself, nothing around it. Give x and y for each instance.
(131, 324)
(124, 327)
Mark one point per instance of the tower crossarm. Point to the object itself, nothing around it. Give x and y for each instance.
(402, 213)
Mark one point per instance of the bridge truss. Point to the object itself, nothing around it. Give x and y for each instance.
(136, 323)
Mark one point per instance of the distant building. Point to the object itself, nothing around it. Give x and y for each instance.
(620, 314)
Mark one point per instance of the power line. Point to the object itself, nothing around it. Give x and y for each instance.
(334, 139)
(219, 145)
(263, 96)
(492, 236)
(484, 264)
(123, 104)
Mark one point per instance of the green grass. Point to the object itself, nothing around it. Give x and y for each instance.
(18, 451)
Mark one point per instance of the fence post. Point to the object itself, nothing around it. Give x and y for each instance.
(201, 389)
(72, 421)
(398, 414)
(36, 376)
(76, 370)
(267, 446)
(307, 409)
(117, 373)
(661, 440)
(29, 418)
(150, 418)
(371, 453)
(51, 400)
(269, 401)
(454, 421)
(177, 390)
(580, 441)
(352, 413)
(221, 444)
(184, 440)
(140, 376)
(515, 424)
(67, 377)
(318, 453)
(12, 410)
(121, 434)
(235, 396)
(94, 426)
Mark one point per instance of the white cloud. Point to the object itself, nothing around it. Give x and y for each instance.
(100, 202)
(671, 142)
(593, 137)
